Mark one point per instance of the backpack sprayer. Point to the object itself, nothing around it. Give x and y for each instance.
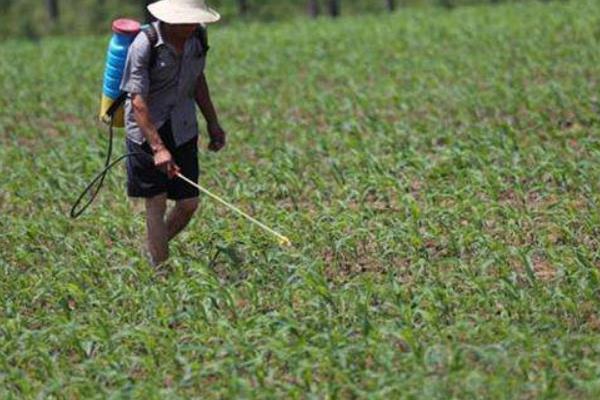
(112, 113)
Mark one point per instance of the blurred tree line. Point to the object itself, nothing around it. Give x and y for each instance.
(33, 18)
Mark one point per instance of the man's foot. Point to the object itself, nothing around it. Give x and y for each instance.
(148, 256)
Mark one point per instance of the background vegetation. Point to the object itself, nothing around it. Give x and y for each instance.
(32, 18)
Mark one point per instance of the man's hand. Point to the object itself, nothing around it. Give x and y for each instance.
(217, 137)
(164, 161)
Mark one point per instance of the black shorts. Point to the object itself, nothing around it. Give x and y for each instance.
(145, 180)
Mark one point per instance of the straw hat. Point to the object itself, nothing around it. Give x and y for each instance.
(183, 12)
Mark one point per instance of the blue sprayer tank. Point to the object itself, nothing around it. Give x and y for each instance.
(124, 31)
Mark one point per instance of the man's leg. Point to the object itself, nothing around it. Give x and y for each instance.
(180, 216)
(158, 242)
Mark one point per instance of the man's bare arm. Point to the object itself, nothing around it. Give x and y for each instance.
(162, 156)
(142, 117)
(216, 133)
(205, 102)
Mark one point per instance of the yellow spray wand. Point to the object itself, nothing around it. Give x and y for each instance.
(283, 241)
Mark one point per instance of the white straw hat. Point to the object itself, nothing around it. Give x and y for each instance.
(183, 12)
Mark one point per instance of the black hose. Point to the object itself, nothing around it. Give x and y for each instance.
(99, 179)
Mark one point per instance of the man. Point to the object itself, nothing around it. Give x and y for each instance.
(163, 80)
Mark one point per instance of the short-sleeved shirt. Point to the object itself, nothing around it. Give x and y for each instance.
(168, 86)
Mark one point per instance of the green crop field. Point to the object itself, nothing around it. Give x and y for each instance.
(438, 173)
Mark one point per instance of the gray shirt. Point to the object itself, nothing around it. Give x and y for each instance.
(168, 86)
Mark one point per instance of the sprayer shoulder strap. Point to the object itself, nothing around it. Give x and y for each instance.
(202, 35)
(152, 35)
